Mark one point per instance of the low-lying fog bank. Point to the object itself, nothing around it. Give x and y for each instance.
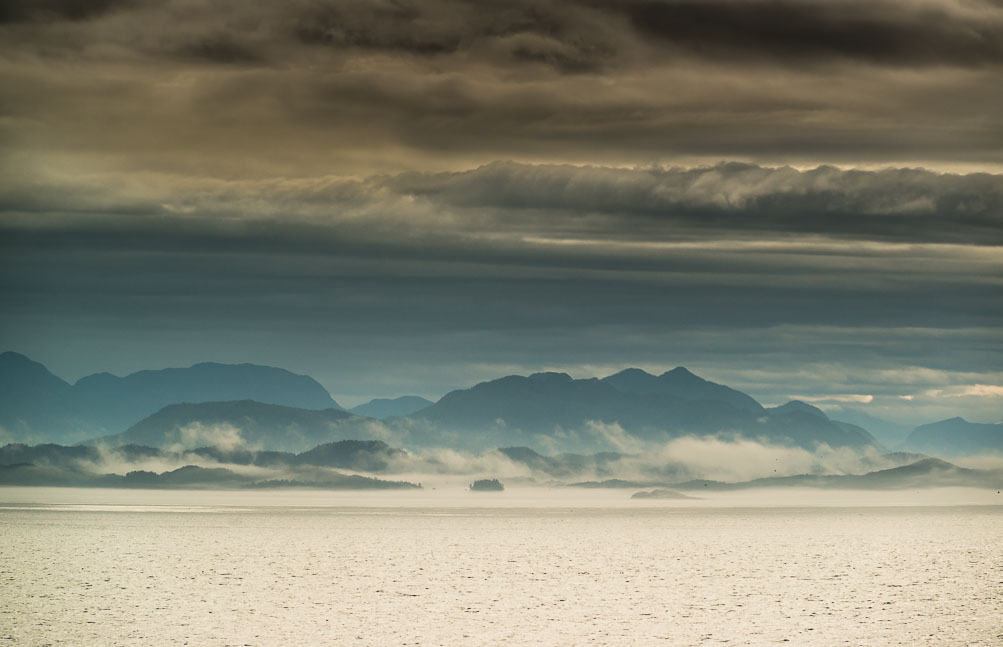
(700, 464)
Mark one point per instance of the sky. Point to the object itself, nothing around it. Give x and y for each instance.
(797, 198)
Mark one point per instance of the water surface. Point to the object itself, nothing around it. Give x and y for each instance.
(142, 568)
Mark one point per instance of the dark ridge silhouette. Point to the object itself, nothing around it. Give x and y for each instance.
(185, 477)
(361, 455)
(357, 455)
(520, 410)
(661, 494)
(49, 454)
(925, 473)
(383, 408)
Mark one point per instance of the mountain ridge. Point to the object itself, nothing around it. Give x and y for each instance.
(37, 405)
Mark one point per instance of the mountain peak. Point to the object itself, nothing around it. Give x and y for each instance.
(551, 376)
(800, 406)
(679, 383)
(18, 362)
(681, 372)
(632, 372)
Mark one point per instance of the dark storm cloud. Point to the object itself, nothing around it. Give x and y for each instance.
(739, 199)
(579, 203)
(253, 89)
(46, 10)
(577, 36)
(708, 244)
(916, 33)
(220, 48)
(569, 37)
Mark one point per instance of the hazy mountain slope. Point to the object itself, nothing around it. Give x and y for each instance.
(36, 405)
(243, 422)
(890, 433)
(382, 408)
(957, 437)
(562, 465)
(928, 472)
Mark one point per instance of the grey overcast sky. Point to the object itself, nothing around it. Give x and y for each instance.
(798, 198)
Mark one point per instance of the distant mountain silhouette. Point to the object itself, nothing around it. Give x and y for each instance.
(927, 472)
(518, 410)
(661, 494)
(243, 422)
(957, 437)
(680, 383)
(543, 410)
(35, 405)
(383, 408)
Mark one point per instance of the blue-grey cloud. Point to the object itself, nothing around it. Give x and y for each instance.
(427, 282)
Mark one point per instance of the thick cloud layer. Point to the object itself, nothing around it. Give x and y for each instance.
(245, 89)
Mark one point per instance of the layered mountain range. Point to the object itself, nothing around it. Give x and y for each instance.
(273, 409)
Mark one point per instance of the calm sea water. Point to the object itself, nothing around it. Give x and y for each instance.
(385, 569)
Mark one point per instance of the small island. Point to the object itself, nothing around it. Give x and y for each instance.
(487, 485)
(662, 494)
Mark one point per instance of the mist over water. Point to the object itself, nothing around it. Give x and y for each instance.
(527, 566)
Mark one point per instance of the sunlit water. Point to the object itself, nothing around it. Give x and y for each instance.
(586, 568)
